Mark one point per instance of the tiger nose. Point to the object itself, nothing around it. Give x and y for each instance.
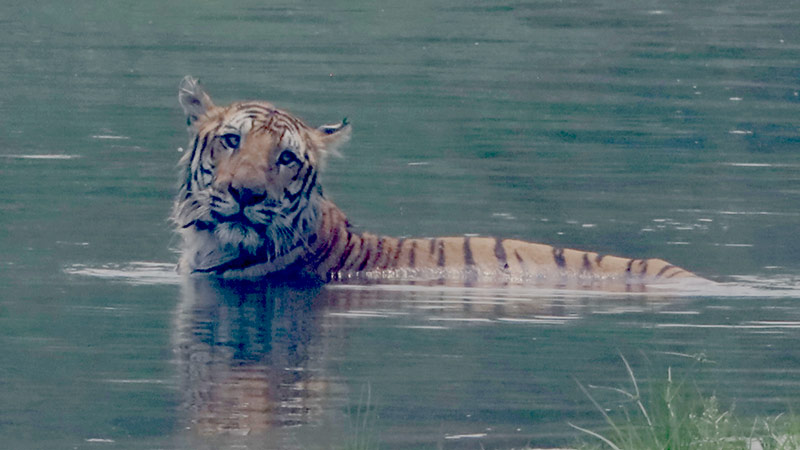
(247, 197)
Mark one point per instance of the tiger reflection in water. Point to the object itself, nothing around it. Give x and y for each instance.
(254, 357)
(250, 356)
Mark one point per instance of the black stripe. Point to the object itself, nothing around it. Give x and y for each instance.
(201, 225)
(306, 178)
(598, 259)
(379, 251)
(196, 179)
(521, 261)
(587, 265)
(194, 149)
(500, 253)
(630, 265)
(468, 260)
(361, 250)
(347, 249)
(664, 270)
(311, 185)
(296, 220)
(296, 204)
(396, 258)
(297, 244)
(293, 197)
(442, 260)
(367, 254)
(197, 151)
(412, 256)
(558, 257)
(326, 251)
(677, 272)
(644, 268)
(470, 272)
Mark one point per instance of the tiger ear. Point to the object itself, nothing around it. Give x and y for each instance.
(193, 99)
(333, 137)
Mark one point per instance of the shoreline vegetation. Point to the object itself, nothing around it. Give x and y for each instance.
(672, 415)
(675, 416)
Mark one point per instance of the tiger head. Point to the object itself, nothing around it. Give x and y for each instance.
(249, 195)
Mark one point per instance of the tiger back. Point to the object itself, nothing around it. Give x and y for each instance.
(251, 205)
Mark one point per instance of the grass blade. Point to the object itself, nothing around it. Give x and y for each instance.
(592, 433)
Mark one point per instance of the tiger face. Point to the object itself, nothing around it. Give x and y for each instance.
(249, 194)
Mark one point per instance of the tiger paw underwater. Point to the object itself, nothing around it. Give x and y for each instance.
(251, 205)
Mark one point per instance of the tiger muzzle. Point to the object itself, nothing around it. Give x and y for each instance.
(247, 197)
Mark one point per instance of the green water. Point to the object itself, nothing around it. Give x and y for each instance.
(665, 129)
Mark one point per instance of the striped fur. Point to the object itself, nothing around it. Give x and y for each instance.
(250, 205)
(339, 252)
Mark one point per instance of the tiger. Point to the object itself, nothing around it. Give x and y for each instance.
(251, 205)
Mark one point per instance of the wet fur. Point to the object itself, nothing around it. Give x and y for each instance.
(247, 208)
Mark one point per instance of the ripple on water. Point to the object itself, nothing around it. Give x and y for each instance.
(52, 156)
(774, 286)
(135, 272)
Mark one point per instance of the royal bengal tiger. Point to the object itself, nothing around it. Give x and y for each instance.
(251, 205)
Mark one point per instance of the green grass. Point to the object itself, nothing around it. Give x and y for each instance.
(672, 415)
(676, 417)
(363, 434)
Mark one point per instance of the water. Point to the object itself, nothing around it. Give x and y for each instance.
(635, 128)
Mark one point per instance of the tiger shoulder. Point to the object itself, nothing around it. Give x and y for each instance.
(251, 205)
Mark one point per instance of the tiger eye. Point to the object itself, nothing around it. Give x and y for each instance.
(287, 157)
(231, 140)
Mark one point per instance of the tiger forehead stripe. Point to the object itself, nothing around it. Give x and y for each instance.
(263, 116)
(279, 124)
(267, 112)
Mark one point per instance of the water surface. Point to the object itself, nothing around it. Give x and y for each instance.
(636, 128)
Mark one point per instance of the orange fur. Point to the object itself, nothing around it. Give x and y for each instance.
(250, 205)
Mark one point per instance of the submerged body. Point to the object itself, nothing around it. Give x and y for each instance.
(250, 205)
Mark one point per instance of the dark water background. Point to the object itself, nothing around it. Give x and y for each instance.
(642, 128)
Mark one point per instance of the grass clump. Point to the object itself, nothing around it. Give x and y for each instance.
(678, 418)
(362, 423)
